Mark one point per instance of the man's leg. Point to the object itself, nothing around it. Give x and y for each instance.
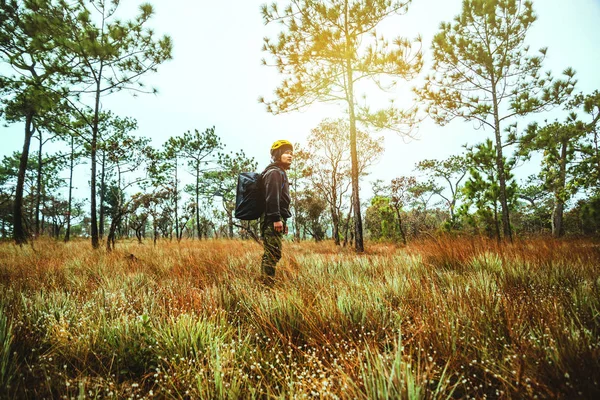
(272, 254)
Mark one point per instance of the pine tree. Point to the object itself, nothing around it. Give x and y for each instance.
(483, 72)
(325, 50)
(31, 37)
(115, 56)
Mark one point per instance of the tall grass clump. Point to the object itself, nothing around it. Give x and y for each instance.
(7, 362)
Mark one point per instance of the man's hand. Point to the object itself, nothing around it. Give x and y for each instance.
(278, 226)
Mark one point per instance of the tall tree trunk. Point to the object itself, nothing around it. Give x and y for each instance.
(102, 216)
(69, 208)
(558, 229)
(359, 246)
(358, 239)
(176, 204)
(94, 145)
(358, 234)
(500, 166)
(19, 231)
(38, 197)
(198, 202)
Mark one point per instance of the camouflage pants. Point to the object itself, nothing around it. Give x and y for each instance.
(272, 245)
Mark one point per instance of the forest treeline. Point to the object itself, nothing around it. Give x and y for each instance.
(59, 59)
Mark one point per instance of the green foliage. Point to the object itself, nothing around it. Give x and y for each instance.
(482, 188)
(483, 72)
(324, 50)
(534, 213)
(329, 168)
(380, 219)
(199, 149)
(451, 171)
(584, 217)
(474, 73)
(30, 42)
(322, 43)
(31, 38)
(587, 170)
(311, 214)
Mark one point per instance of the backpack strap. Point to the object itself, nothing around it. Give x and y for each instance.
(267, 170)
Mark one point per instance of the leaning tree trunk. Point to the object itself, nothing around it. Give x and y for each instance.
(400, 228)
(19, 231)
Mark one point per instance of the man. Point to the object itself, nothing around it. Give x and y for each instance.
(277, 206)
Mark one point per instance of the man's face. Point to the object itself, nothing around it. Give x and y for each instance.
(286, 158)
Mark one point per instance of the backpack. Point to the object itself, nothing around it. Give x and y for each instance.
(250, 195)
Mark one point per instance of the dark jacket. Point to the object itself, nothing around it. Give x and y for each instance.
(277, 193)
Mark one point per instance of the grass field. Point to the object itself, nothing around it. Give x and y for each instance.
(446, 318)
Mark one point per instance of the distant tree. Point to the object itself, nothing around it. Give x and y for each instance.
(380, 219)
(48, 168)
(325, 50)
(129, 155)
(584, 218)
(115, 56)
(75, 155)
(199, 149)
(452, 171)
(558, 142)
(166, 174)
(483, 72)
(400, 193)
(112, 131)
(138, 222)
(311, 211)
(588, 168)
(9, 167)
(421, 195)
(297, 175)
(329, 167)
(482, 188)
(31, 37)
(55, 211)
(154, 204)
(537, 208)
(48, 182)
(223, 183)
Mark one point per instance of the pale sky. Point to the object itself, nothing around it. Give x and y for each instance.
(216, 77)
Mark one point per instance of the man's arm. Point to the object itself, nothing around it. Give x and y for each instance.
(273, 181)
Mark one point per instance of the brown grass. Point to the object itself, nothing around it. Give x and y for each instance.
(445, 317)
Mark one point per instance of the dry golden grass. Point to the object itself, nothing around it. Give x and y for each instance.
(442, 318)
